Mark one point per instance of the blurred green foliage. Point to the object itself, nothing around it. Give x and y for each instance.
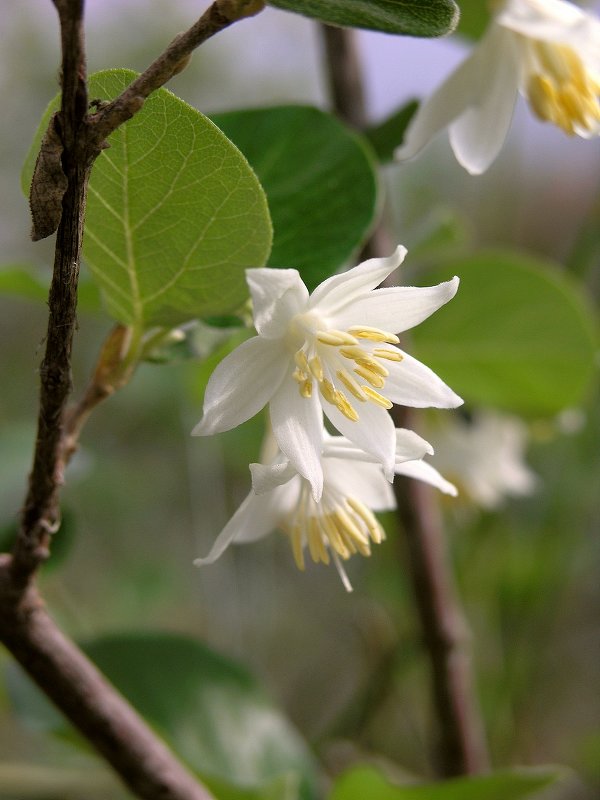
(145, 499)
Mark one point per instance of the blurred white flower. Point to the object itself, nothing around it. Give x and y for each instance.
(485, 457)
(548, 50)
(342, 523)
(333, 351)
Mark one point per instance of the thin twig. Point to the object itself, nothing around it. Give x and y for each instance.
(460, 746)
(220, 15)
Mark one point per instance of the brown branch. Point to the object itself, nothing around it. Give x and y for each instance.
(345, 74)
(461, 745)
(40, 514)
(73, 683)
(85, 697)
(217, 17)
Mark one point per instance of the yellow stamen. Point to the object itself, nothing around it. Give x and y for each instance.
(343, 405)
(377, 398)
(390, 355)
(338, 399)
(374, 379)
(350, 384)
(335, 338)
(327, 390)
(334, 537)
(346, 523)
(316, 367)
(301, 360)
(353, 352)
(373, 334)
(563, 92)
(376, 531)
(306, 388)
(296, 538)
(318, 550)
(373, 365)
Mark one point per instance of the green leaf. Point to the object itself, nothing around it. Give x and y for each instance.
(518, 336)
(365, 782)
(474, 18)
(209, 709)
(425, 18)
(175, 213)
(26, 282)
(321, 183)
(386, 136)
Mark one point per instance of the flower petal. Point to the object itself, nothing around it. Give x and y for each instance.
(277, 294)
(422, 471)
(397, 308)
(447, 103)
(362, 480)
(255, 518)
(549, 20)
(374, 432)
(337, 291)
(479, 133)
(241, 385)
(411, 383)
(266, 477)
(298, 428)
(408, 444)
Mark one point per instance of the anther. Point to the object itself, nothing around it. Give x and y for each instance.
(390, 355)
(377, 398)
(306, 388)
(316, 367)
(370, 363)
(367, 516)
(335, 338)
(353, 352)
(373, 334)
(342, 404)
(301, 360)
(352, 385)
(374, 379)
(297, 549)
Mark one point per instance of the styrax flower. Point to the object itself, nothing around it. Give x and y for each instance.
(548, 50)
(333, 351)
(342, 523)
(485, 455)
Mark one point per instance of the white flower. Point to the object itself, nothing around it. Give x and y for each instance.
(549, 50)
(486, 457)
(333, 351)
(342, 523)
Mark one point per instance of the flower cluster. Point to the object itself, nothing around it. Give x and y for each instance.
(332, 353)
(546, 50)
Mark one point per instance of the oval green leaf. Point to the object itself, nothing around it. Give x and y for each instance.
(425, 18)
(321, 184)
(175, 213)
(366, 782)
(210, 710)
(518, 335)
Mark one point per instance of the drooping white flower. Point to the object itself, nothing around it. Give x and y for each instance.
(342, 523)
(333, 351)
(485, 456)
(548, 50)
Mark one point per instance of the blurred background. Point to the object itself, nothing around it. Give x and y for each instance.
(143, 499)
